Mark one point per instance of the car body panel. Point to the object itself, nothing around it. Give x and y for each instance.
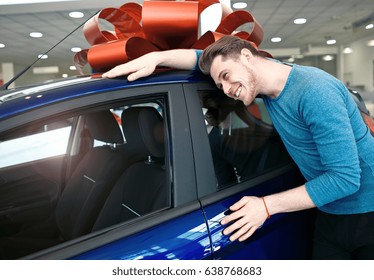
(167, 241)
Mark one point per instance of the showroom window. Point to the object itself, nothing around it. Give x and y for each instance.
(243, 141)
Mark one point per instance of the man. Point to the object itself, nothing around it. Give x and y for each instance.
(322, 129)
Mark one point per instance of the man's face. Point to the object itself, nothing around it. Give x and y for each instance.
(235, 76)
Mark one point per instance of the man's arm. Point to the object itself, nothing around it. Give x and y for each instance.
(146, 64)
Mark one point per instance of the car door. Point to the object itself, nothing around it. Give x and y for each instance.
(245, 156)
(179, 232)
(175, 231)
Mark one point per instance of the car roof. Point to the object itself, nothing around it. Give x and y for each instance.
(17, 100)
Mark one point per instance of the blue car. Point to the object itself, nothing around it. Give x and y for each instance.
(94, 168)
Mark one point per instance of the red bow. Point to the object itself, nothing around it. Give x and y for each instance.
(155, 26)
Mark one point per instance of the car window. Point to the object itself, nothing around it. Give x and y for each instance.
(243, 141)
(41, 142)
(113, 169)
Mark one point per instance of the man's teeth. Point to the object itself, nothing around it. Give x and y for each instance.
(238, 92)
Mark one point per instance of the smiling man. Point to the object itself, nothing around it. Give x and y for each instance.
(321, 127)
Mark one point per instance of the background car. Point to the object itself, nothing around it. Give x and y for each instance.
(94, 168)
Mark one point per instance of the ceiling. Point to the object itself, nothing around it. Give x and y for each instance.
(325, 19)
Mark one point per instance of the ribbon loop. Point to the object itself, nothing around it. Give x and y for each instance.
(171, 25)
(155, 26)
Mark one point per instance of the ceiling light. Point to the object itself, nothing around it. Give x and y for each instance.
(347, 50)
(299, 21)
(65, 75)
(2, 46)
(328, 57)
(276, 39)
(369, 26)
(331, 42)
(370, 43)
(76, 14)
(239, 5)
(73, 68)
(36, 34)
(76, 49)
(291, 59)
(42, 56)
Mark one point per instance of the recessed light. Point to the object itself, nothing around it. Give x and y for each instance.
(276, 39)
(42, 56)
(76, 49)
(239, 5)
(347, 50)
(36, 34)
(369, 26)
(73, 68)
(299, 21)
(370, 43)
(2, 46)
(76, 14)
(328, 57)
(65, 75)
(331, 42)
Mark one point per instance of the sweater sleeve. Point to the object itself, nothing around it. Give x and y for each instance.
(325, 112)
(198, 54)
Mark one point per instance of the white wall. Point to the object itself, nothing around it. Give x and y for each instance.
(359, 67)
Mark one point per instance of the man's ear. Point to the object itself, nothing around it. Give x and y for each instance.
(247, 54)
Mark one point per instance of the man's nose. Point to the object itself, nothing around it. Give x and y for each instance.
(226, 88)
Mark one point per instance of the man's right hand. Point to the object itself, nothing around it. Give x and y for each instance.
(135, 69)
(145, 65)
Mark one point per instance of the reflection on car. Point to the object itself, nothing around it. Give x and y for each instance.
(106, 169)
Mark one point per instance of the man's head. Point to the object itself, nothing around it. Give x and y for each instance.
(228, 47)
(232, 64)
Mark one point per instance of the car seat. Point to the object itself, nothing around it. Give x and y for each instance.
(142, 188)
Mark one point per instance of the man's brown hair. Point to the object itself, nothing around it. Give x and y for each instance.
(227, 46)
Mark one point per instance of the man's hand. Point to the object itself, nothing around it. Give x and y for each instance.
(249, 214)
(145, 65)
(135, 69)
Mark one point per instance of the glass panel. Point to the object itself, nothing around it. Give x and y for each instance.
(46, 141)
(243, 141)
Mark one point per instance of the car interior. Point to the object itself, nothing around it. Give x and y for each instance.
(243, 141)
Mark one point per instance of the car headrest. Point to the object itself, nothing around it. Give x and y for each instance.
(144, 130)
(104, 127)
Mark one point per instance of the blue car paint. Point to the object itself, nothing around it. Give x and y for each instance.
(185, 237)
(283, 236)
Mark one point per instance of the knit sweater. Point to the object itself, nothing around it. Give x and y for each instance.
(324, 133)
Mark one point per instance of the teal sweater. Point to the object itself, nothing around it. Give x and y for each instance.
(324, 133)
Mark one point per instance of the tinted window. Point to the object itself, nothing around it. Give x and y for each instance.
(62, 180)
(243, 141)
